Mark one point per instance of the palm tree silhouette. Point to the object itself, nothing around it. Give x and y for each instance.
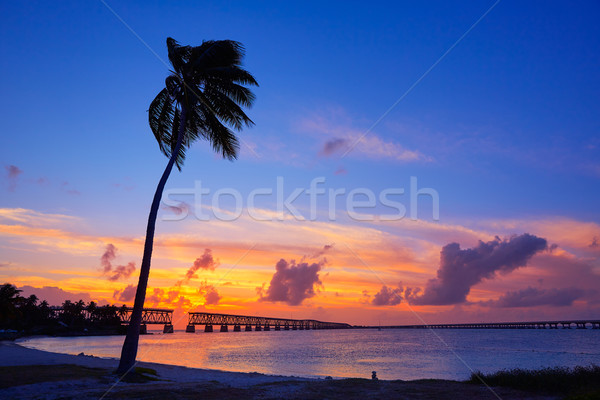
(204, 95)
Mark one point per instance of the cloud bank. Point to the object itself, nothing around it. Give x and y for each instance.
(532, 297)
(461, 269)
(127, 294)
(210, 293)
(114, 273)
(55, 296)
(292, 283)
(170, 297)
(206, 262)
(387, 296)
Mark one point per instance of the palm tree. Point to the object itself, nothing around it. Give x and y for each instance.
(9, 299)
(203, 96)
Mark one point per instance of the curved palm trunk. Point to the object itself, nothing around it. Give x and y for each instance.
(130, 345)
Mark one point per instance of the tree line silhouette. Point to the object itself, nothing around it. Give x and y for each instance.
(29, 315)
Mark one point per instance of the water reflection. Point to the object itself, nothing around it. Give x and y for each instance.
(394, 354)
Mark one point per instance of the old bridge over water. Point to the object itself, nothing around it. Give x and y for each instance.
(259, 323)
(160, 316)
(565, 324)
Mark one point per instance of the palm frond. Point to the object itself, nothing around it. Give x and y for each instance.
(178, 55)
(232, 74)
(226, 109)
(173, 141)
(160, 117)
(237, 93)
(216, 53)
(207, 82)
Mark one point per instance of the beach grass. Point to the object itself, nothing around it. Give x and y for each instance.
(574, 383)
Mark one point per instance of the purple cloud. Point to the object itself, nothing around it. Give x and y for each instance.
(205, 262)
(171, 296)
(333, 146)
(461, 269)
(106, 260)
(156, 296)
(321, 252)
(532, 297)
(179, 209)
(13, 173)
(210, 293)
(387, 296)
(292, 283)
(114, 273)
(127, 294)
(53, 295)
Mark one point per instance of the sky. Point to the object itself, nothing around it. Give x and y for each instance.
(452, 150)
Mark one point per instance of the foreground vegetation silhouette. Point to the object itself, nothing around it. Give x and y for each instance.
(581, 382)
(29, 316)
(202, 99)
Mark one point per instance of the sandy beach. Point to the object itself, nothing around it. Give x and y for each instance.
(94, 378)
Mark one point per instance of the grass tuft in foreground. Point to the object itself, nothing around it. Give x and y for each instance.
(580, 382)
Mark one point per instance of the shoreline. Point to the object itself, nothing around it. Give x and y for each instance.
(179, 382)
(14, 354)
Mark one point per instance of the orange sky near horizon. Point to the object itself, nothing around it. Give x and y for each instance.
(50, 250)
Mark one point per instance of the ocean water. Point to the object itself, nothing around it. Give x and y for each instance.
(395, 354)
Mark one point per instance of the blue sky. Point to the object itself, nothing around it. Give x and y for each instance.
(505, 127)
(508, 117)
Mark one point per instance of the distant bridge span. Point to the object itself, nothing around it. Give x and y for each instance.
(259, 323)
(157, 316)
(565, 324)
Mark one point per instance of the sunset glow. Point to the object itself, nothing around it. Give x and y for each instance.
(474, 199)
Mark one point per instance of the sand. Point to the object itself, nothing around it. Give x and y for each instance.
(177, 382)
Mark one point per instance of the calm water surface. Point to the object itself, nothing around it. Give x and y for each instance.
(394, 354)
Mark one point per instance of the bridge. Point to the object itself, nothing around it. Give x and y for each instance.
(150, 316)
(158, 316)
(259, 323)
(565, 324)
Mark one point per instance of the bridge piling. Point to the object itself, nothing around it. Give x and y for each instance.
(208, 328)
(224, 328)
(237, 328)
(190, 328)
(168, 328)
